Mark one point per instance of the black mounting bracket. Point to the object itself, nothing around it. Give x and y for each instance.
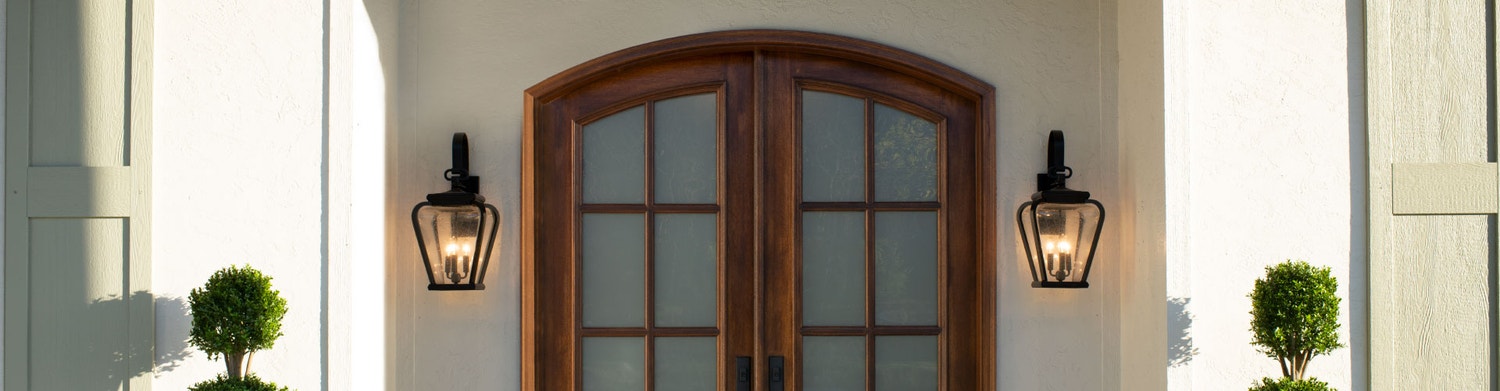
(459, 174)
(1057, 174)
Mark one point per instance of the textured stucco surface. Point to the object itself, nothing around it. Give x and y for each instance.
(1227, 149)
(464, 64)
(1262, 174)
(238, 145)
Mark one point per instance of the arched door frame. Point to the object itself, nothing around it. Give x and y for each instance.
(536, 146)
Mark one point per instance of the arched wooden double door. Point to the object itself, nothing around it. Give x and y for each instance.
(758, 210)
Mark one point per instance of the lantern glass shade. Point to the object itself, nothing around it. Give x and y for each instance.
(455, 241)
(1060, 240)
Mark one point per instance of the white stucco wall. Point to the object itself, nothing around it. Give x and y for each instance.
(464, 64)
(238, 143)
(1227, 151)
(1259, 171)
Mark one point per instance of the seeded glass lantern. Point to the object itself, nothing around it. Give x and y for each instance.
(1059, 226)
(456, 228)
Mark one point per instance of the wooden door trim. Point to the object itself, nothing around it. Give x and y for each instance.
(717, 42)
(536, 145)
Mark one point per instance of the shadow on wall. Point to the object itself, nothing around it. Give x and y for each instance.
(1180, 349)
(122, 362)
(173, 322)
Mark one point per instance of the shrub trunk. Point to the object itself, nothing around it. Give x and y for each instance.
(237, 364)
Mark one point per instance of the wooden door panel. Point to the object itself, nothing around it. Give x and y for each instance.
(963, 304)
(727, 76)
(757, 75)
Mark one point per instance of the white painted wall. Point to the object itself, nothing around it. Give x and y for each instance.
(464, 64)
(239, 171)
(1214, 98)
(1259, 171)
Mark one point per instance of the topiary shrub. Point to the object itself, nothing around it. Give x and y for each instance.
(1289, 384)
(1295, 312)
(236, 314)
(246, 383)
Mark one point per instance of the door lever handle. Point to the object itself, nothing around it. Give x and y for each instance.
(743, 373)
(776, 372)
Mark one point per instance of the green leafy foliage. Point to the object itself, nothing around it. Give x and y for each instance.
(247, 383)
(236, 314)
(1289, 384)
(1295, 312)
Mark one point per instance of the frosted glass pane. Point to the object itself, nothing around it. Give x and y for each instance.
(1066, 238)
(685, 364)
(833, 268)
(686, 131)
(614, 270)
(905, 156)
(833, 147)
(614, 364)
(448, 237)
(614, 158)
(833, 363)
(906, 268)
(686, 270)
(906, 363)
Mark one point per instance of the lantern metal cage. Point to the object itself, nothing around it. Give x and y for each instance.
(1059, 227)
(458, 226)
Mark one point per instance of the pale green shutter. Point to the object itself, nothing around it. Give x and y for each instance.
(1432, 199)
(78, 305)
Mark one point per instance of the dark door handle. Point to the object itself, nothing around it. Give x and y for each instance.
(742, 373)
(776, 373)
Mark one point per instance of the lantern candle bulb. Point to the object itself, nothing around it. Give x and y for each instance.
(1059, 260)
(455, 266)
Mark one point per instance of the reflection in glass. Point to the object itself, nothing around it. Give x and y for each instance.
(686, 130)
(833, 147)
(685, 364)
(906, 363)
(906, 268)
(906, 156)
(614, 364)
(614, 158)
(833, 268)
(833, 363)
(686, 266)
(614, 270)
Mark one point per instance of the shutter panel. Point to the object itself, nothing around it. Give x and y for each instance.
(78, 305)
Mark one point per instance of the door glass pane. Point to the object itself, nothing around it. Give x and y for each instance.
(906, 268)
(614, 158)
(906, 363)
(905, 156)
(614, 270)
(686, 270)
(686, 131)
(833, 147)
(833, 363)
(614, 364)
(833, 269)
(685, 364)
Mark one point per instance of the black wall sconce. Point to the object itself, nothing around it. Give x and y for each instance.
(1056, 223)
(459, 226)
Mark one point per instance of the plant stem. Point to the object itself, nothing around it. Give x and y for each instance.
(233, 362)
